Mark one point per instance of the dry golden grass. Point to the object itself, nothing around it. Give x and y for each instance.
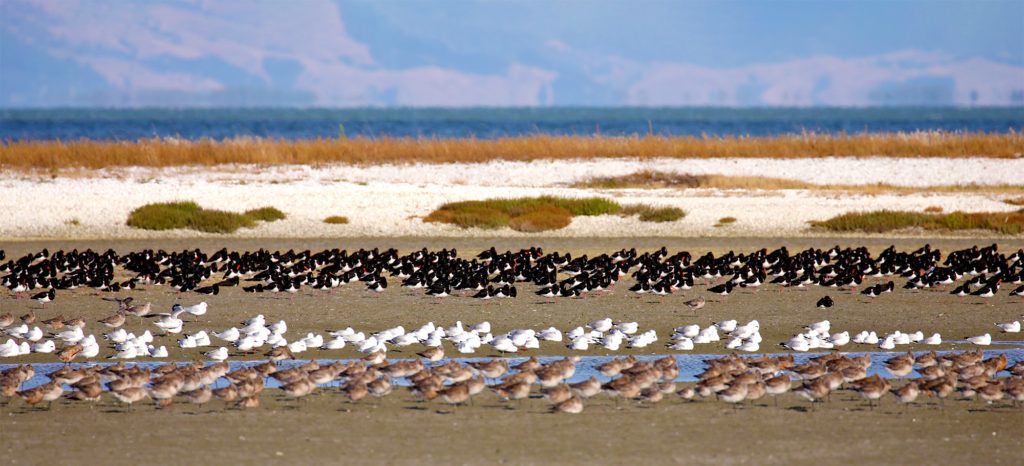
(173, 152)
(1015, 201)
(648, 179)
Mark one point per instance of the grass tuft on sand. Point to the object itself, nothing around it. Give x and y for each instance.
(175, 152)
(650, 179)
(881, 221)
(526, 214)
(265, 214)
(649, 213)
(544, 213)
(188, 214)
(336, 220)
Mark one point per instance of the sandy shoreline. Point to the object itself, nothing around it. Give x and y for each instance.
(390, 200)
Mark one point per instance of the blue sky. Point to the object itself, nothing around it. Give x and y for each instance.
(510, 53)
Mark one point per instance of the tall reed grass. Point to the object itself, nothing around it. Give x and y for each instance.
(175, 152)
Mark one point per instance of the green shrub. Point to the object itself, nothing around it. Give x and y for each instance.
(163, 216)
(534, 213)
(882, 221)
(188, 214)
(648, 213)
(219, 221)
(265, 214)
(545, 218)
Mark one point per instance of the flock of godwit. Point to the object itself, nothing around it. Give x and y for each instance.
(731, 379)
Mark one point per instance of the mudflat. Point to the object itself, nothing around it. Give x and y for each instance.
(396, 430)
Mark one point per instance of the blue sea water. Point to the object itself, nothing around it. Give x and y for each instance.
(488, 123)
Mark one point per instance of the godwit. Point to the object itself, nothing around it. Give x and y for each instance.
(557, 394)
(248, 402)
(55, 323)
(68, 353)
(432, 354)
(356, 391)
(375, 357)
(491, 369)
(199, 396)
(130, 395)
(113, 321)
(778, 385)
(735, 394)
(380, 387)
(299, 388)
(872, 388)
(991, 392)
(455, 394)
(695, 304)
(572, 406)
(280, 353)
(586, 388)
(814, 391)
(228, 394)
(513, 391)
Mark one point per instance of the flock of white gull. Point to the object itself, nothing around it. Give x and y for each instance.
(257, 333)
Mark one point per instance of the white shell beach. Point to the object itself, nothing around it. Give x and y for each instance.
(390, 200)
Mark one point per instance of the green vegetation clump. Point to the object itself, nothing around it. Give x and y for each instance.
(188, 214)
(544, 213)
(648, 213)
(336, 220)
(882, 221)
(544, 218)
(219, 221)
(265, 214)
(527, 214)
(163, 215)
(727, 220)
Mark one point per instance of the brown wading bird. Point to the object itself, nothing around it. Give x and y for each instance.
(248, 402)
(872, 388)
(571, 406)
(432, 354)
(55, 323)
(68, 353)
(130, 395)
(139, 311)
(113, 321)
(454, 395)
(280, 353)
(696, 304)
(528, 365)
